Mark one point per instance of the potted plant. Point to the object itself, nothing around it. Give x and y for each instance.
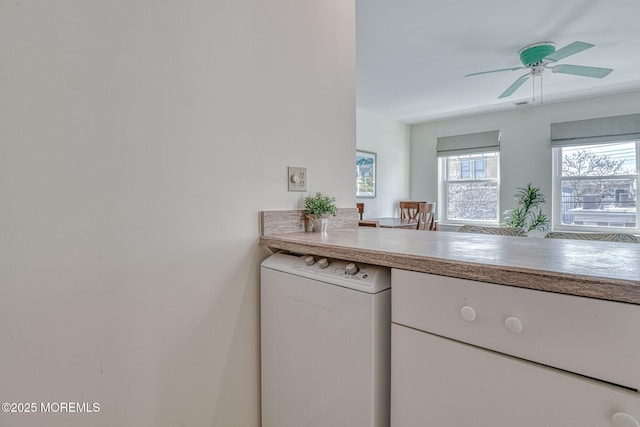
(528, 215)
(319, 208)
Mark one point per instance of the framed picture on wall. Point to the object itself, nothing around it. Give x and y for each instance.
(365, 174)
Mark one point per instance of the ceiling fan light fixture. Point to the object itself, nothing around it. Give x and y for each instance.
(535, 53)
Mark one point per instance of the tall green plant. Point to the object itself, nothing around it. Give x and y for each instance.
(528, 215)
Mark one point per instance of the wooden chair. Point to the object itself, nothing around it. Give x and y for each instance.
(365, 223)
(605, 237)
(410, 211)
(500, 231)
(360, 207)
(427, 217)
(422, 213)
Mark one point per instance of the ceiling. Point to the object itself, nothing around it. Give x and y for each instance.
(412, 55)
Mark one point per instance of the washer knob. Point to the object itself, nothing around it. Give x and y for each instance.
(513, 324)
(351, 269)
(323, 263)
(620, 419)
(468, 313)
(309, 260)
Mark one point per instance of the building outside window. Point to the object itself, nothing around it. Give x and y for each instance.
(595, 186)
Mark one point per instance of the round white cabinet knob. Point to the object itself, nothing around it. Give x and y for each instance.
(309, 260)
(351, 269)
(620, 419)
(323, 263)
(513, 324)
(468, 313)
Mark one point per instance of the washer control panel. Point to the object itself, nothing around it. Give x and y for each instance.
(364, 277)
(363, 273)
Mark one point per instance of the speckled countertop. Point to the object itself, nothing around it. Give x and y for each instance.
(603, 270)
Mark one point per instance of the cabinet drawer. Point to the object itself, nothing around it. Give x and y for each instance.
(595, 338)
(440, 382)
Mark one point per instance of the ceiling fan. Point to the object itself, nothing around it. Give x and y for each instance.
(538, 57)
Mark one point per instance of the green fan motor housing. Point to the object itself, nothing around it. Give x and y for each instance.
(535, 53)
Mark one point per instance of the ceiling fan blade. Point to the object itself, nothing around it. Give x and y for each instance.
(571, 49)
(579, 70)
(495, 71)
(515, 86)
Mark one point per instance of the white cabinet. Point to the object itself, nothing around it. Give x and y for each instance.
(440, 382)
(453, 364)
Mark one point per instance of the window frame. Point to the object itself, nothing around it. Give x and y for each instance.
(443, 185)
(556, 205)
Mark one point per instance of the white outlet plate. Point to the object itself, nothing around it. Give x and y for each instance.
(297, 178)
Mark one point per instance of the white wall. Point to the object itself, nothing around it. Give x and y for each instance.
(524, 147)
(390, 140)
(138, 142)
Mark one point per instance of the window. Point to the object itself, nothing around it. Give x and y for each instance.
(595, 176)
(469, 176)
(595, 186)
(470, 189)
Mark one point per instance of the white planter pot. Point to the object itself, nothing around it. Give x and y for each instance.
(319, 224)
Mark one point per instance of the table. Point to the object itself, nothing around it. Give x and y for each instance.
(393, 222)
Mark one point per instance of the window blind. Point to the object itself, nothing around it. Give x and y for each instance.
(470, 143)
(596, 131)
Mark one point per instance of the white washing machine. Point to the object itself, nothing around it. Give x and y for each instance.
(325, 350)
